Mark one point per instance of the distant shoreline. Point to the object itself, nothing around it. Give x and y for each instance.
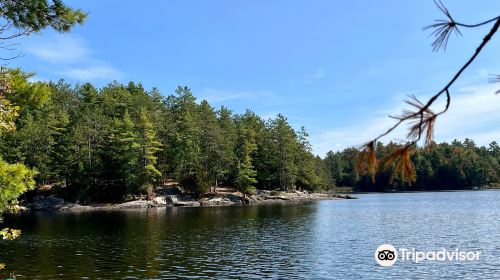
(464, 190)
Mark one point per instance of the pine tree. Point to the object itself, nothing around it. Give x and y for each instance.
(186, 147)
(225, 157)
(306, 172)
(128, 152)
(59, 150)
(89, 134)
(245, 176)
(149, 146)
(35, 138)
(285, 144)
(209, 133)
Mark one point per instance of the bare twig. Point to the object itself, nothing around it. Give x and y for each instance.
(422, 119)
(446, 88)
(443, 28)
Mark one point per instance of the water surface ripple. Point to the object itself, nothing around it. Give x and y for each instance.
(320, 240)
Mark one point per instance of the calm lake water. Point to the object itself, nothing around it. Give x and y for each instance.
(320, 240)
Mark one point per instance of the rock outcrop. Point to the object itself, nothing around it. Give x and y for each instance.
(173, 197)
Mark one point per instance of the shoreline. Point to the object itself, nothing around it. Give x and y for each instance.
(426, 191)
(220, 199)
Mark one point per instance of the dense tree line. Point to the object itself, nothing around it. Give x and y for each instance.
(23, 18)
(459, 165)
(104, 144)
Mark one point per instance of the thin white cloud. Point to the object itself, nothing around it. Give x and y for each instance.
(59, 49)
(93, 73)
(71, 57)
(355, 135)
(268, 115)
(37, 78)
(218, 96)
(317, 75)
(474, 113)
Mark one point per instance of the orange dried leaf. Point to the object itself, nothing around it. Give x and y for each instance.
(422, 120)
(367, 160)
(401, 160)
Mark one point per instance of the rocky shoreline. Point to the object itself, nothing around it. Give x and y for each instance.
(54, 203)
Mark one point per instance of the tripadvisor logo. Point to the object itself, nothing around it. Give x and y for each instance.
(387, 255)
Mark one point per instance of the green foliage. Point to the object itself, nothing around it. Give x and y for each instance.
(15, 179)
(245, 177)
(284, 144)
(10, 234)
(245, 173)
(312, 173)
(187, 140)
(149, 146)
(23, 93)
(8, 113)
(35, 15)
(126, 150)
(225, 157)
(459, 165)
(104, 144)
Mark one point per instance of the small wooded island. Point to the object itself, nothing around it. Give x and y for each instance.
(92, 146)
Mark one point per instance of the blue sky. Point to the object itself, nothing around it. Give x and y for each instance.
(336, 67)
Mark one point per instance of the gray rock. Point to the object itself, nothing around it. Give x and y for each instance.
(220, 201)
(68, 206)
(181, 200)
(137, 204)
(191, 203)
(160, 200)
(249, 200)
(171, 199)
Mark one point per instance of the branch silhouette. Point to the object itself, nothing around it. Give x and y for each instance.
(423, 119)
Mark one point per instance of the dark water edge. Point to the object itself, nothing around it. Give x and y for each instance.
(316, 240)
(433, 191)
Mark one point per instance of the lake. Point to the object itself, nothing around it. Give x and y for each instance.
(320, 240)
